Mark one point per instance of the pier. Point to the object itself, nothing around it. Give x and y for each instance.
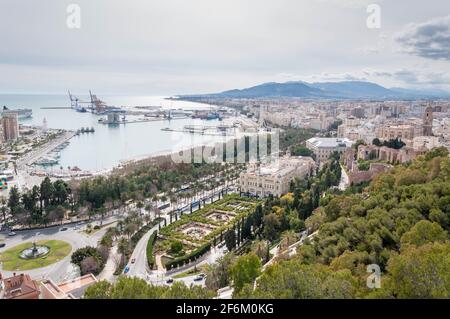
(220, 130)
(153, 119)
(55, 108)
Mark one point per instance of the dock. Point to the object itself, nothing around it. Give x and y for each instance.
(55, 108)
(153, 119)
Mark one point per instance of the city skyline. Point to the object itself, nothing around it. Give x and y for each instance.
(167, 48)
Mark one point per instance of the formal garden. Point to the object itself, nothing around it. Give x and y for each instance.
(194, 234)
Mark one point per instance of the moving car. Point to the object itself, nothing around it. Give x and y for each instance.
(133, 260)
(11, 233)
(2, 245)
(199, 277)
(127, 269)
(63, 229)
(169, 281)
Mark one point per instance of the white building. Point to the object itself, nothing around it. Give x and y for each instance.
(274, 179)
(323, 147)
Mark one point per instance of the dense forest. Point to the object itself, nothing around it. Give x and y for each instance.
(400, 223)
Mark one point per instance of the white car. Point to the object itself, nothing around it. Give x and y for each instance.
(11, 234)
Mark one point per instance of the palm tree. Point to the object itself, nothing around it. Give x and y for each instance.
(3, 208)
(122, 246)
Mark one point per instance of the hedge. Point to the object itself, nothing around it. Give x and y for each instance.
(194, 255)
(150, 243)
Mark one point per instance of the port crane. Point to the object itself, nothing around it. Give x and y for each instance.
(75, 103)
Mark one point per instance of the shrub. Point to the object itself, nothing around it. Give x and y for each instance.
(176, 247)
(150, 243)
(90, 259)
(194, 255)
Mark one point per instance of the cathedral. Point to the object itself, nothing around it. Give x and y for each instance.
(428, 122)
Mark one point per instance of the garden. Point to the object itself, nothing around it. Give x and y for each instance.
(193, 234)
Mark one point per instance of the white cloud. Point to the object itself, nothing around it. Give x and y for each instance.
(430, 39)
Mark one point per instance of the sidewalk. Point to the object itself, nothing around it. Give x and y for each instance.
(110, 266)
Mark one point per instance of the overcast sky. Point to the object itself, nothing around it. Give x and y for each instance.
(164, 47)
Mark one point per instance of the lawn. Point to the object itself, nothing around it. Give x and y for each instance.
(12, 262)
(93, 231)
(190, 272)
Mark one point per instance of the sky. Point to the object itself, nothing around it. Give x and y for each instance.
(168, 47)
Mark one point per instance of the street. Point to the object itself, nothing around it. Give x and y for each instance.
(63, 269)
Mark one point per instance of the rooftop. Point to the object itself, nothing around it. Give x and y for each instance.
(330, 142)
(20, 286)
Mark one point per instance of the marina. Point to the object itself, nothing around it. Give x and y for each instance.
(110, 144)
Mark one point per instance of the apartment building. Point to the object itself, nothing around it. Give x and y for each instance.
(10, 127)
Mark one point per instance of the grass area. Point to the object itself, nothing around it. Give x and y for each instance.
(11, 261)
(92, 231)
(190, 272)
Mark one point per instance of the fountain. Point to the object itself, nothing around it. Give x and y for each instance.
(34, 252)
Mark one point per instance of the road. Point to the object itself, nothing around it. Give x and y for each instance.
(140, 266)
(63, 269)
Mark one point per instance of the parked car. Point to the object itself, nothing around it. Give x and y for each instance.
(63, 229)
(126, 270)
(169, 281)
(2, 245)
(11, 233)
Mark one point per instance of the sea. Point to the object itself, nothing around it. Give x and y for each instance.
(110, 145)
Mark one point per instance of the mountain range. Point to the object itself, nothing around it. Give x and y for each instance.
(327, 90)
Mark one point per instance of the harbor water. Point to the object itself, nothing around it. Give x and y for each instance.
(109, 145)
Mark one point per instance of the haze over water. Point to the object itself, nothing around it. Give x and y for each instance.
(110, 145)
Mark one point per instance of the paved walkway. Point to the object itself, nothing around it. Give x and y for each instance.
(344, 182)
(110, 266)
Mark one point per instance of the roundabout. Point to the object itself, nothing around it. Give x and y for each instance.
(33, 255)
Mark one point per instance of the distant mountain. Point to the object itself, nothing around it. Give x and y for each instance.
(331, 90)
(289, 89)
(353, 89)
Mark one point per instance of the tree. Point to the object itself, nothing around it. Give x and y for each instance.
(245, 270)
(292, 280)
(438, 216)
(3, 208)
(90, 265)
(421, 272)
(57, 214)
(61, 191)
(258, 216)
(376, 141)
(136, 288)
(230, 239)
(176, 247)
(271, 226)
(260, 247)
(424, 232)
(14, 200)
(100, 290)
(47, 191)
(218, 274)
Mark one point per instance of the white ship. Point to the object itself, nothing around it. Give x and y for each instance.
(21, 113)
